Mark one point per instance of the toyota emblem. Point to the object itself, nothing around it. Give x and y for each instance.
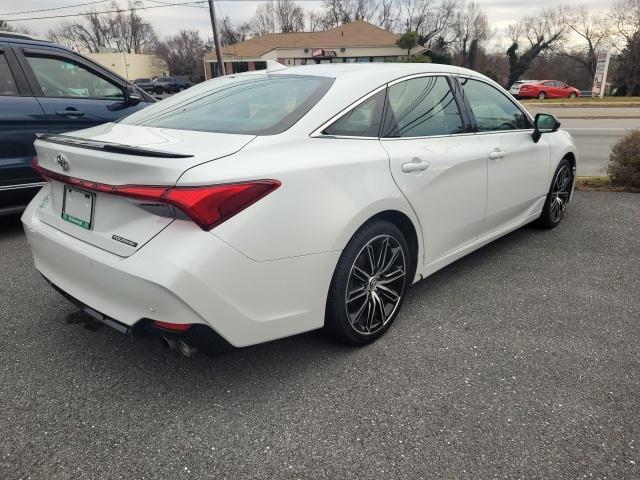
(60, 160)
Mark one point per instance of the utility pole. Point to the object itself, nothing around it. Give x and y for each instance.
(216, 39)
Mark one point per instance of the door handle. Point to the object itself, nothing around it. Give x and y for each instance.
(415, 165)
(497, 154)
(69, 112)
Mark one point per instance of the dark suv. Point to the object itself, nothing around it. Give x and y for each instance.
(45, 87)
(148, 85)
(173, 84)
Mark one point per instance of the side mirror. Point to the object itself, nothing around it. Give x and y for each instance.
(544, 123)
(132, 96)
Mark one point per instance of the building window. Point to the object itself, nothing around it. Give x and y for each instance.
(239, 67)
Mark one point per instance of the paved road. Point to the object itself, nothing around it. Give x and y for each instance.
(520, 361)
(595, 130)
(595, 138)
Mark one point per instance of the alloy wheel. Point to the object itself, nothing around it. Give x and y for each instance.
(376, 284)
(560, 193)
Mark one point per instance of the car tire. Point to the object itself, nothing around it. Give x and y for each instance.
(369, 284)
(573, 95)
(181, 89)
(542, 95)
(558, 196)
(158, 90)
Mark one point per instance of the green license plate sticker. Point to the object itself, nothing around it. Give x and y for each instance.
(77, 207)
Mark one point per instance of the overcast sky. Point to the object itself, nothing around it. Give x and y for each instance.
(170, 19)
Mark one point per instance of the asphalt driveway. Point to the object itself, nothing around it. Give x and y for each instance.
(521, 360)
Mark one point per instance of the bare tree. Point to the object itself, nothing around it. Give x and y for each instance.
(289, 16)
(183, 53)
(429, 18)
(264, 20)
(244, 31)
(13, 27)
(470, 29)
(337, 12)
(388, 14)
(125, 31)
(228, 33)
(538, 33)
(625, 16)
(315, 20)
(593, 30)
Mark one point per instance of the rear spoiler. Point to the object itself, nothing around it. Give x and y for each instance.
(106, 146)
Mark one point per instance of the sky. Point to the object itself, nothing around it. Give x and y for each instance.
(168, 20)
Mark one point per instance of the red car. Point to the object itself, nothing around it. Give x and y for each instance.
(548, 89)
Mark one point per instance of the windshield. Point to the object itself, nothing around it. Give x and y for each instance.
(258, 104)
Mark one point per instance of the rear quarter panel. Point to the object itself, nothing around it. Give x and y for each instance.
(330, 187)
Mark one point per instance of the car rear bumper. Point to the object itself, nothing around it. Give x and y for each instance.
(186, 275)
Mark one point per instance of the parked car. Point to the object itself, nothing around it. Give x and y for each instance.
(45, 87)
(548, 89)
(148, 85)
(270, 203)
(172, 84)
(515, 88)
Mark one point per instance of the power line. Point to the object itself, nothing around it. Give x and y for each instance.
(52, 8)
(119, 10)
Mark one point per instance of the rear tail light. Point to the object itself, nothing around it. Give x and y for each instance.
(175, 327)
(208, 206)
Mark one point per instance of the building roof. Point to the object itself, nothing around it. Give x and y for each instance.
(354, 34)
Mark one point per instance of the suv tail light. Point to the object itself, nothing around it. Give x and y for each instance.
(208, 206)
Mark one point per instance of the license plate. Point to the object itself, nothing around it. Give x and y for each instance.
(77, 207)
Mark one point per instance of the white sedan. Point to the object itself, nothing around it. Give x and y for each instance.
(267, 204)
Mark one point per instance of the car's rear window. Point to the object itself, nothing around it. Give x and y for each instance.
(259, 104)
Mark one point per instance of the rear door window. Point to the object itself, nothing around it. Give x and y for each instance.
(255, 105)
(59, 77)
(8, 85)
(422, 107)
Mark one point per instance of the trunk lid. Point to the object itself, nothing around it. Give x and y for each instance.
(118, 154)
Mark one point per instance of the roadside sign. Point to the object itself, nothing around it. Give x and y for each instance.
(600, 78)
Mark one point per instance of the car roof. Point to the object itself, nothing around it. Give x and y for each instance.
(380, 72)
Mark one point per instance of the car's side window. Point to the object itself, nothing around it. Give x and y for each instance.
(59, 77)
(362, 121)
(493, 110)
(7, 83)
(422, 107)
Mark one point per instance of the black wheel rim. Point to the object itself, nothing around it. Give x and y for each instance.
(376, 284)
(560, 193)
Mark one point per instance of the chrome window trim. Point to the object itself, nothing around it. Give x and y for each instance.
(22, 185)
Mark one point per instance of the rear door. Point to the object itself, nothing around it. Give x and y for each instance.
(20, 118)
(518, 172)
(439, 165)
(73, 92)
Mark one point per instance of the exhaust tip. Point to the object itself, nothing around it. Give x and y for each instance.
(186, 349)
(167, 342)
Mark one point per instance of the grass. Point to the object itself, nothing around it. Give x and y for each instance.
(600, 184)
(588, 102)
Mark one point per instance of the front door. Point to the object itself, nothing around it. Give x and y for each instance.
(440, 168)
(72, 94)
(518, 173)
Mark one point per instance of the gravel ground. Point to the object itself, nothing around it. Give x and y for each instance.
(518, 361)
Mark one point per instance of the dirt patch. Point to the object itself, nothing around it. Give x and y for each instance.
(600, 184)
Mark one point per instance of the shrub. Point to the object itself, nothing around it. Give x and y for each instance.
(624, 161)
